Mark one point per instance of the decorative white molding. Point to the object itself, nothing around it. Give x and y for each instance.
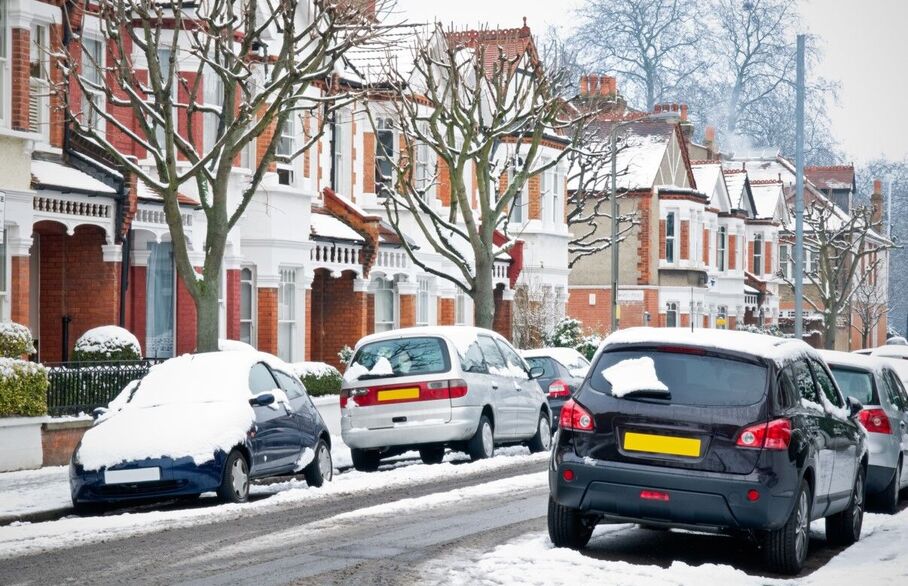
(112, 252)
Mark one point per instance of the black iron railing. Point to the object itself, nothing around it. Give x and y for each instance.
(84, 386)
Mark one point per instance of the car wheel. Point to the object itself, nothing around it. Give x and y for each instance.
(235, 479)
(567, 527)
(432, 454)
(786, 548)
(889, 498)
(321, 469)
(365, 460)
(482, 444)
(845, 528)
(542, 441)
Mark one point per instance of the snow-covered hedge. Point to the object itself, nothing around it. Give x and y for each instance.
(15, 340)
(23, 388)
(319, 378)
(568, 333)
(107, 343)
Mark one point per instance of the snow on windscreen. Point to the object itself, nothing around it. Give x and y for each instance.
(633, 375)
(189, 406)
(398, 357)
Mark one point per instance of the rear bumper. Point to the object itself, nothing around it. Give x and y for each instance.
(555, 406)
(613, 490)
(461, 427)
(884, 450)
(878, 478)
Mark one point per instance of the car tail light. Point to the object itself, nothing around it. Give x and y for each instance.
(774, 435)
(875, 421)
(575, 418)
(345, 394)
(654, 495)
(559, 388)
(457, 388)
(406, 393)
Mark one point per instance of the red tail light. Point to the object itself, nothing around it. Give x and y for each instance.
(559, 388)
(654, 495)
(345, 394)
(774, 435)
(575, 418)
(875, 421)
(407, 393)
(457, 388)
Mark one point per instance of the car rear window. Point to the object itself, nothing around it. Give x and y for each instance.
(401, 357)
(547, 365)
(691, 378)
(855, 383)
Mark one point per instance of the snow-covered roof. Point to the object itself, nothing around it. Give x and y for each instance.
(850, 359)
(711, 181)
(461, 336)
(736, 180)
(326, 226)
(764, 346)
(641, 150)
(891, 351)
(394, 49)
(64, 178)
(145, 192)
(769, 199)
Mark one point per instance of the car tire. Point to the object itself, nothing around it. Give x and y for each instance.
(89, 509)
(845, 528)
(482, 444)
(432, 454)
(542, 441)
(786, 548)
(888, 500)
(567, 527)
(321, 469)
(365, 460)
(234, 486)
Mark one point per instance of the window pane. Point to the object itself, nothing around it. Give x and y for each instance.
(855, 383)
(826, 384)
(406, 356)
(491, 352)
(260, 379)
(800, 376)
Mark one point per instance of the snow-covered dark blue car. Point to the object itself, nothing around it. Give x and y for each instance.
(202, 423)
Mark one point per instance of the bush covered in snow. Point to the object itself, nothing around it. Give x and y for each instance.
(107, 343)
(568, 333)
(768, 330)
(23, 388)
(15, 340)
(319, 378)
(345, 354)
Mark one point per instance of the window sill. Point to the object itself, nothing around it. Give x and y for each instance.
(22, 134)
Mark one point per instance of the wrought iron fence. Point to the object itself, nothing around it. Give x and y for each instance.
(84, 386)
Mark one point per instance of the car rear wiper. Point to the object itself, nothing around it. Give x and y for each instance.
(647, 393)
(368, 376)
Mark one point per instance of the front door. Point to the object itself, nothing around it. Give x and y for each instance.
(277, 438)
(505, 393)
(816, 429)
(527, 392)
(844, 432)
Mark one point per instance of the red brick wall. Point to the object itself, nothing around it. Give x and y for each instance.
(19, 294)
(407, 311)
(732, 322)
(233, 304)
(732, 252)
(136, 307)
(187, 320)
(501, 323)
(444, 183)
(597, 318)
(20, 41)
(661, 239)
(685, 239)
(643, 242)
(535, 192)
(266, 320)
(768, 255)
(57, 115)
(340, 316)
(75, 281)
(446, 315)
(369, 162)
(58, 440)
(706, 246)
(749, 263)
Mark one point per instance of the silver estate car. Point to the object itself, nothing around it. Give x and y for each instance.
(431, 388)
(876, 384)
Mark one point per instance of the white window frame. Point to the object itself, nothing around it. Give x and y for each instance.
(673, 313)
(165, 66)
(460, 308)
(4, 279)
(253, 306)
(39, 85)
(90, 118)
(384, 125)
(722, 249)
(785, 260)
(423, 297)
(342, 137)
(422, 168)
(671, 237)
(286, 312)
(213, 97)
(385, 287)
(758, 254)
(5, 77)
(286, 146)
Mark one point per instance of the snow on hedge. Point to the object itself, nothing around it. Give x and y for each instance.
(304, 369)
(15, 340)
(107, 342)
(192, 405)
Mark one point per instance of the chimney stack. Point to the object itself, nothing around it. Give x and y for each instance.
(876, 203)
(594, 85)
(709, 140)
(584, 85)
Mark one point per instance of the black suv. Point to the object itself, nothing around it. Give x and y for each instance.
(714, 430)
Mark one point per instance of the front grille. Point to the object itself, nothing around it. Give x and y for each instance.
(139, 488)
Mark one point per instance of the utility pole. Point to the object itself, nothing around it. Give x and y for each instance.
(799, 196)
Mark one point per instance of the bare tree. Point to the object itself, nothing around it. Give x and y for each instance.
(652, 45)
(869, 305)
(536, 311)
(844, 253)
(488, 115)
(235, 72)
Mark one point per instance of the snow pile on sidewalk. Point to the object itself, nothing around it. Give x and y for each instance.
(33, 491)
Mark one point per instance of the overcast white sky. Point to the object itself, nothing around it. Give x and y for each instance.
(865, 45)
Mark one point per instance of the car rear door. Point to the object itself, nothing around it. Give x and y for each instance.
(505, 394)
(900, 417)
(277, 437)
(844, 432)
(529, 396)
(302, 410)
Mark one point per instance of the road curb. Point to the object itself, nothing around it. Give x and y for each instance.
(36, 517)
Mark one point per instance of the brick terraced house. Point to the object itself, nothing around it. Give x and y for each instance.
(312, 266)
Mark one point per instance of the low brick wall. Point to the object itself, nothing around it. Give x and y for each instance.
(60, 438)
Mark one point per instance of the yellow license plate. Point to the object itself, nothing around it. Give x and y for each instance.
(661, 444)
(399, 394)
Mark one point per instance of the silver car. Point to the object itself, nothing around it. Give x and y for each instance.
(877, 385)
(431, 388)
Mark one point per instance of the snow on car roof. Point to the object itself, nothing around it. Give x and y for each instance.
(461, 336)
(850, 359)
(566, 356)
(764, 346)
(892, 351)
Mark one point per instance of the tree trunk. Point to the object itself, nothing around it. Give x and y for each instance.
(207, 322)
(483, 293)
(830, 330)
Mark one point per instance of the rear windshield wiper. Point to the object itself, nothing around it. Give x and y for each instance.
(647, 394)
(368, 376)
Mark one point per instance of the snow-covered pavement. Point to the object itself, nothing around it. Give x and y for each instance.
(27, 492)
(879, 558)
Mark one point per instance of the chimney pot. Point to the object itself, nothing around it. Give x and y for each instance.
(877, 186)
(657, 109)
(604, 85)
(674, 107)
(683, 112)
(594, 85)
(709, 134)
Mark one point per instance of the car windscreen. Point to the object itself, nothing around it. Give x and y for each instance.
(399, 357)
(680, 377)
(855, 383)
(546, 364)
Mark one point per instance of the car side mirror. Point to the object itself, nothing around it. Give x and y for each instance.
(262, 400)
(854, 406)
(98, 413)
(536, 372)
